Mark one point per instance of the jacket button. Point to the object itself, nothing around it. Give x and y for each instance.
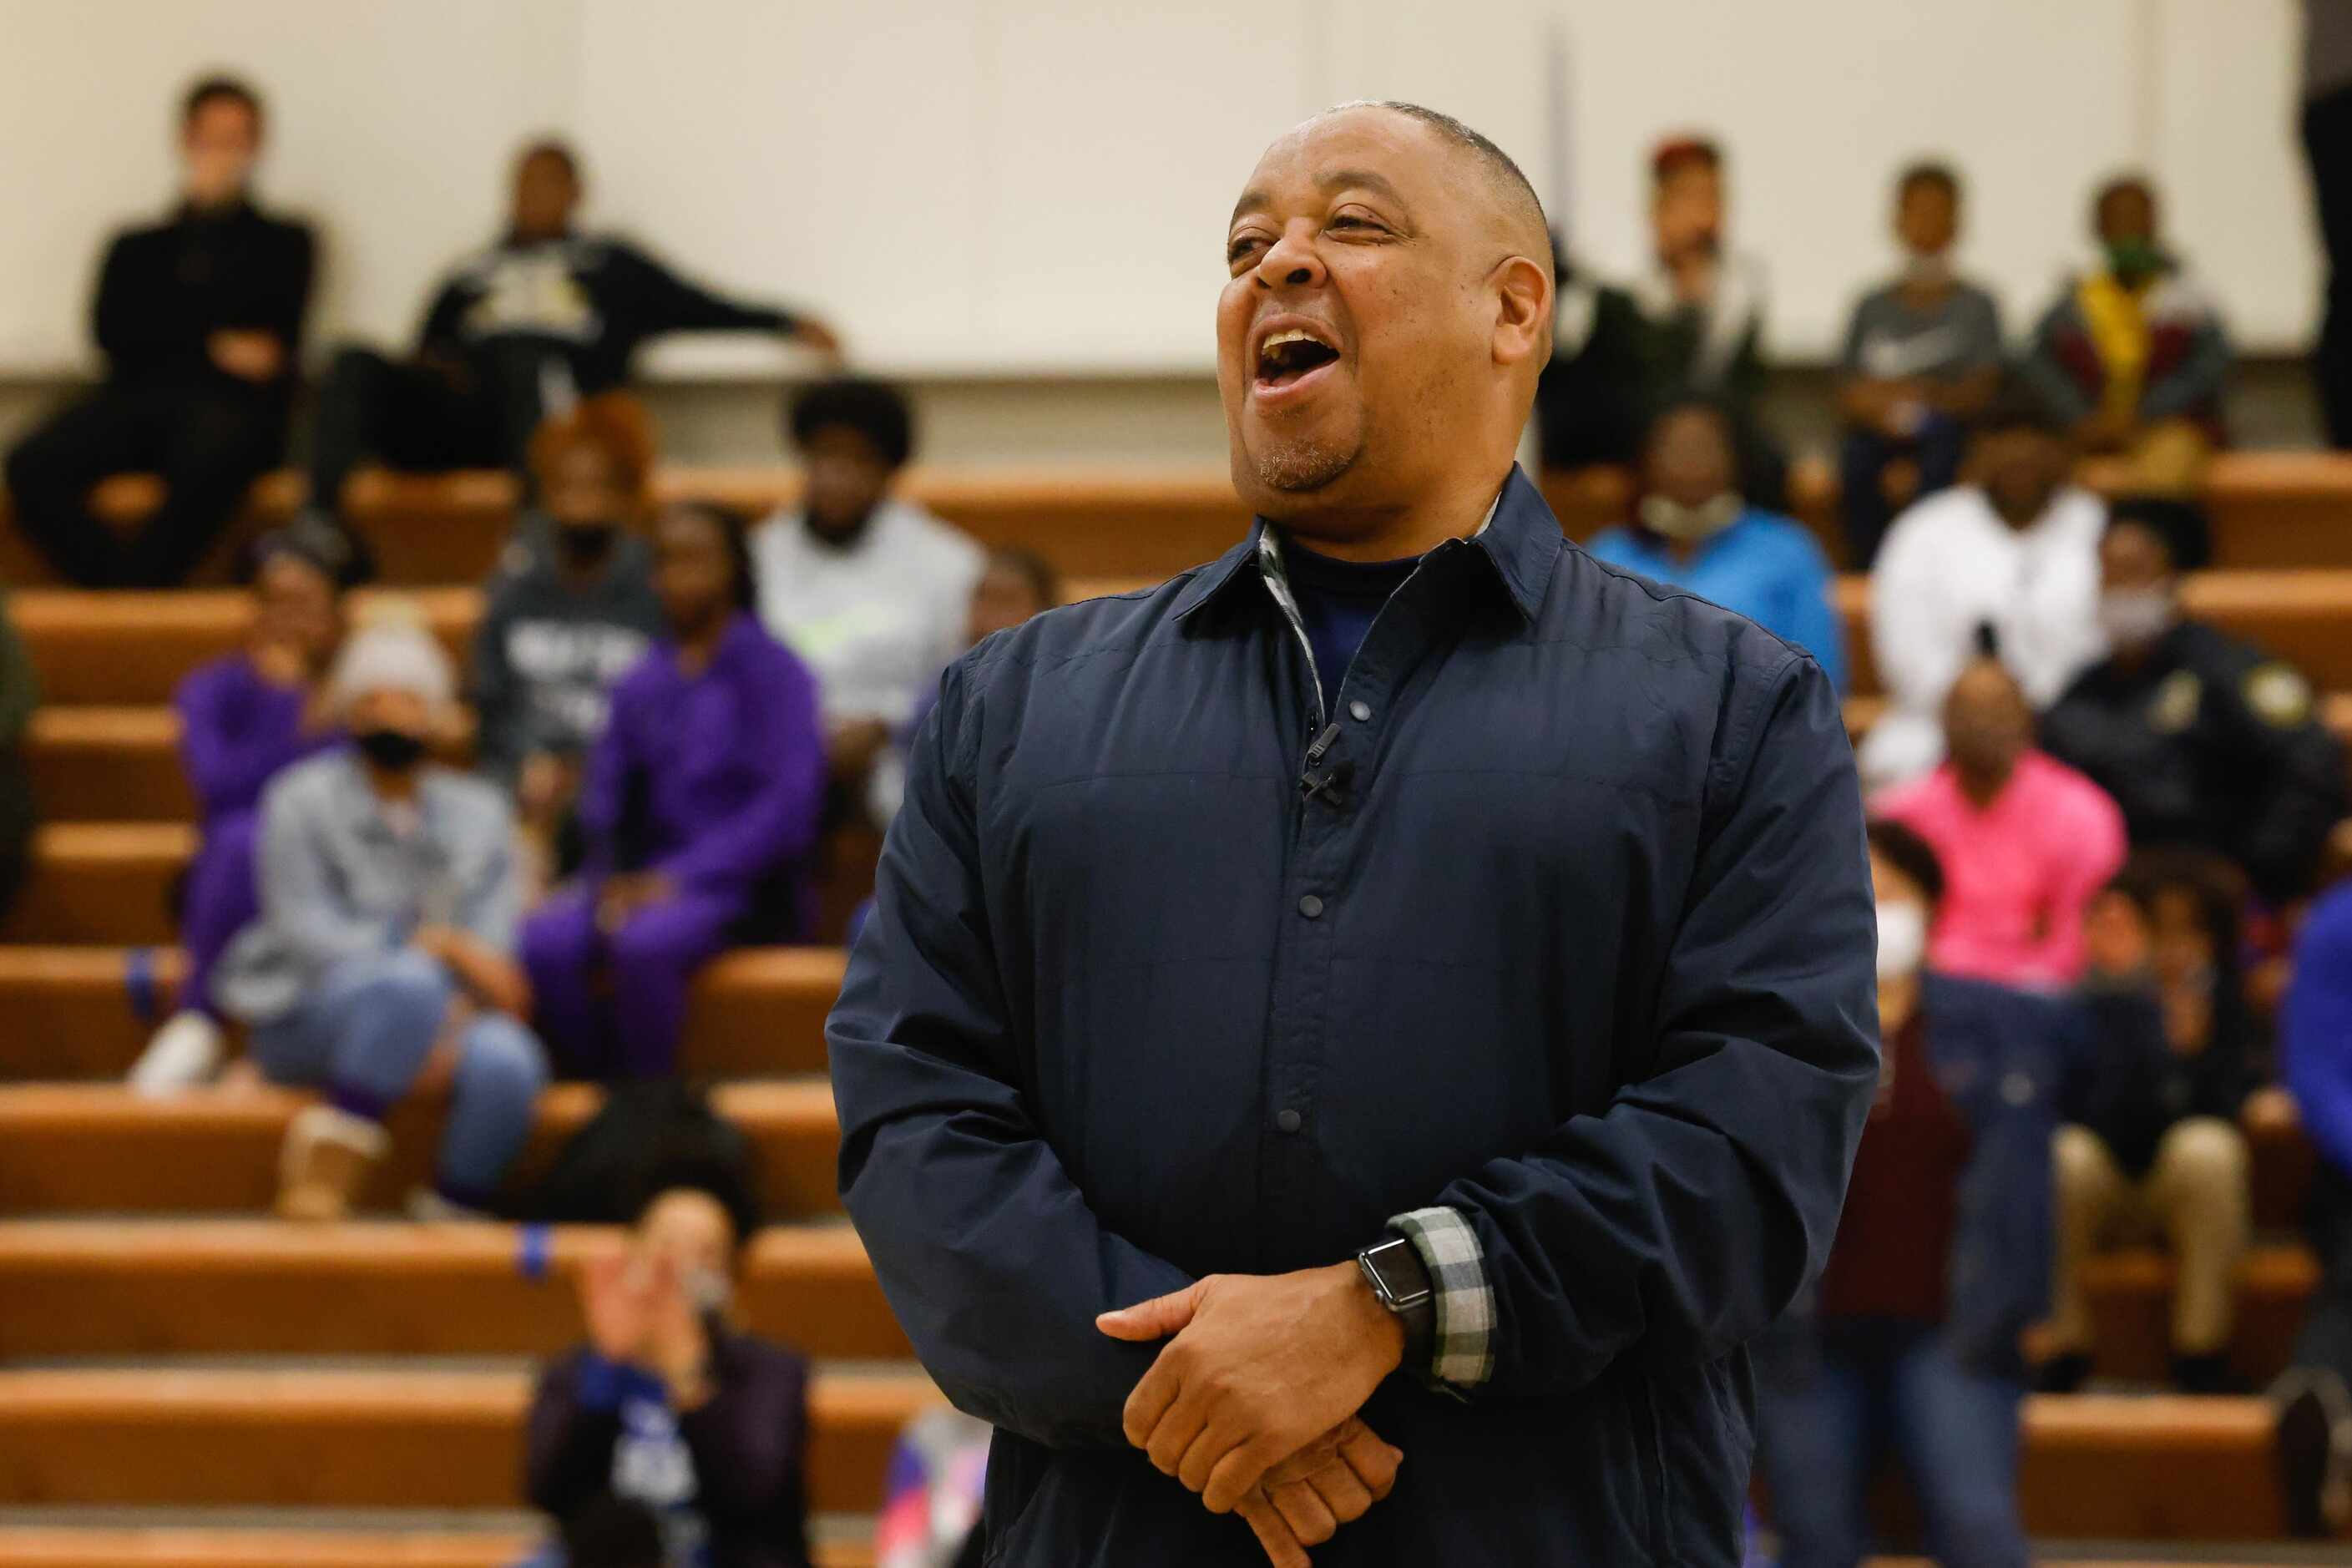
(1310, 906)
(1360, 710)
(1288, 1122)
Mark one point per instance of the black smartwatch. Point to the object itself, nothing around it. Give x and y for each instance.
(1400, 1281)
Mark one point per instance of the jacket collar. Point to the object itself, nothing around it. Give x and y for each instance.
(1520, 541)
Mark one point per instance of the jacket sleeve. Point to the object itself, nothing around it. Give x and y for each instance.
(2315, 1041)
(669, 303)
(778, 823)
(489, 906)
(1683, 1219)
(2194, 384)
(576, 1419)
(2300, 796)
(227, 764)
(986, 1249)
(2044, 367)
(297, 890)
(134, 321)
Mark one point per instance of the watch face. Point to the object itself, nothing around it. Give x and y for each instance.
(1400, 1281)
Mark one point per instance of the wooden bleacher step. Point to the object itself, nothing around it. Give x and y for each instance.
(131, 649)
(112, 1287)
(73, 1013)
(256, 1287)
(405, 1438)
(2094, 1466)
(82, 1149)
(216, 1548)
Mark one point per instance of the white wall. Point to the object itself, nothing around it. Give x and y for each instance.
(1042, 184)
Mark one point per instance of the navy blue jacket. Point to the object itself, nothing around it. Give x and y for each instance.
(1583, 950)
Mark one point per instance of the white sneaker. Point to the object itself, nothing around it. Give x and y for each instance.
(428, 1208)
(185, 1052)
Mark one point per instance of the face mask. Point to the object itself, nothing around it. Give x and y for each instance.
(1670, 519)
(708, 1290)
(1927, 271)
(2133, 261)
(395, 750)
(2135, 617)
(1902, 940)
(585, 547)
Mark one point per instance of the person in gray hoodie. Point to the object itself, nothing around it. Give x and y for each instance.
(571, 609)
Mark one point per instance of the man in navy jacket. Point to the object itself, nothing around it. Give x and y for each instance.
(1402, 983)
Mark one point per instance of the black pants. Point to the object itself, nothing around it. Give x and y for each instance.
(2327, 144)
(207, 439)
(2325, 1344)
(419, 420)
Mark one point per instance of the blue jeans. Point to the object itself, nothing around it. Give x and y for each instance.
(1831, 1402)
(363, 1034)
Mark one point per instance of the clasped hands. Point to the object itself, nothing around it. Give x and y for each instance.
(1253, 1402)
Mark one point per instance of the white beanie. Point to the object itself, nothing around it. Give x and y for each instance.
(394, 656)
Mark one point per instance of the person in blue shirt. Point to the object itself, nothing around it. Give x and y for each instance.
(1694, 531)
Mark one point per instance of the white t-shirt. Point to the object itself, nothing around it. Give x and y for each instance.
(1950, 564)
(878, 621)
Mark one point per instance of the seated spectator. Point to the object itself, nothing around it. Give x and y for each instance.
(546, 313)
(200, 318)
(2131, 357)
(2201, 738)
(2026, 843)
(2154, 1148)
(244, 719)
(2017, 550)
(871, 591)
(2314, 1396)
(668, 1406)
(1589, 401)
(381, 963)
(1701, 323)
(700, 808)
(572, 610)
(1696, 530)
(1908, 1344)
(1922, 360)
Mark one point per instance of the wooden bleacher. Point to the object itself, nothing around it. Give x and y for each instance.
(402, 1437)
(2272, 510)
(134, 1251)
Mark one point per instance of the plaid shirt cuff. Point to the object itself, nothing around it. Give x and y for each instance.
(1464, 1353)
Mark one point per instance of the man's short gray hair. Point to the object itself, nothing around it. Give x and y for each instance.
(1509, 179)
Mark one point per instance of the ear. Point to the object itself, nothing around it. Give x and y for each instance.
(1523, 305)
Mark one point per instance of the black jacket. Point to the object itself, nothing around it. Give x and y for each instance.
(748, 1444)
(1581, 948)
(2211, 743)
(162, 290)
(594, 300)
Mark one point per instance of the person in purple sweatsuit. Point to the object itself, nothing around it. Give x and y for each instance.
(700, 804)
(243, 718)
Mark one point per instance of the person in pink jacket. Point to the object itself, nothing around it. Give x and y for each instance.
(2026, 841)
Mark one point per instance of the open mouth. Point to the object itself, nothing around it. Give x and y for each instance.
(1287, 358)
